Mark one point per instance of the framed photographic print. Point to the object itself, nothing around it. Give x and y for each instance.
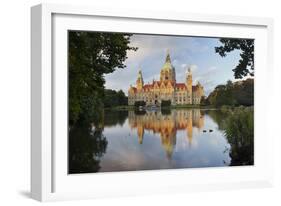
(137, 102)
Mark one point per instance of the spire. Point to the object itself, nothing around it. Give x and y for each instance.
(139, 74)
(168, 58)
(168, 65)
(188, 79)
(188, 70)
(139, 80)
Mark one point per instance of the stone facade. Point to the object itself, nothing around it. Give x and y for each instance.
(166, 89)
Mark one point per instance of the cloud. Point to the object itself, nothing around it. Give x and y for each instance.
(146, 45)
(153, 45)
(206, 78)
(212, 68)
(183, 65)
(196, 52)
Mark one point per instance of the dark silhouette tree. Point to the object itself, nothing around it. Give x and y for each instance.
(90, 56)
(244, 92)
(114, 98)
(166, 103)
(233, 94)
(246, 63)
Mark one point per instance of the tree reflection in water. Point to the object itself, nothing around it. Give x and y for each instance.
(238, 127)
(239, 131)
(86, 146)
(114, 117)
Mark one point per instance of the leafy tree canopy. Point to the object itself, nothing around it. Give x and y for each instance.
(90, 56)
(246, 63)
(114, 98)
(233, 94)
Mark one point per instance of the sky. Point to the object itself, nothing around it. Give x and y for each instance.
(207, 67)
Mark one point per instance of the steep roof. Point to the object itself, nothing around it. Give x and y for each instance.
(194, 88)
(147, 86)
(181, 85)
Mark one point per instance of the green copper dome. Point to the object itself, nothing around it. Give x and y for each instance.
(168, 64)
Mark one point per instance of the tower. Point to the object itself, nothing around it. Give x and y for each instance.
(168, 71)
(139, 81)
(200, 89)
(189, 80)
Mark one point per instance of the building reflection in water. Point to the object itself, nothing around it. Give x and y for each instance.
(166, 124)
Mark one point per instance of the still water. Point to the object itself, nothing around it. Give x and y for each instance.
(167, 139)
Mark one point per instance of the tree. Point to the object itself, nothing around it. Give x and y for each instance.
(204, 100)
(165, 103)
(90, 56)
(222, 95)
(122, 98)
(246, 63)
(244, 92)
(110, 98)
(139, 103)
(231, 94)
(238, 128)
(113, 98)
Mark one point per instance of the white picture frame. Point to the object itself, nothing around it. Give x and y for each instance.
(48, 178)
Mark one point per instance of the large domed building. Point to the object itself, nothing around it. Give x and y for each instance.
(166, 89)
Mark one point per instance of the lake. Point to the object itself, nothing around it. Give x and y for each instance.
(162, 139)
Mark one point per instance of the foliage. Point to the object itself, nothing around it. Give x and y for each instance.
(239, 131)
(204, 101)
(165, 103)
(114, 98)
(90, 56)
(233, 94)
(245, 66)
(244, 92)
(222, 95)
(139, 103)
(238, 127)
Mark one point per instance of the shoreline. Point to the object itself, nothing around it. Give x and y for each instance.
(203, 107)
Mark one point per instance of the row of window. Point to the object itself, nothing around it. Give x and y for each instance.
(161, 95)
(178, 100)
